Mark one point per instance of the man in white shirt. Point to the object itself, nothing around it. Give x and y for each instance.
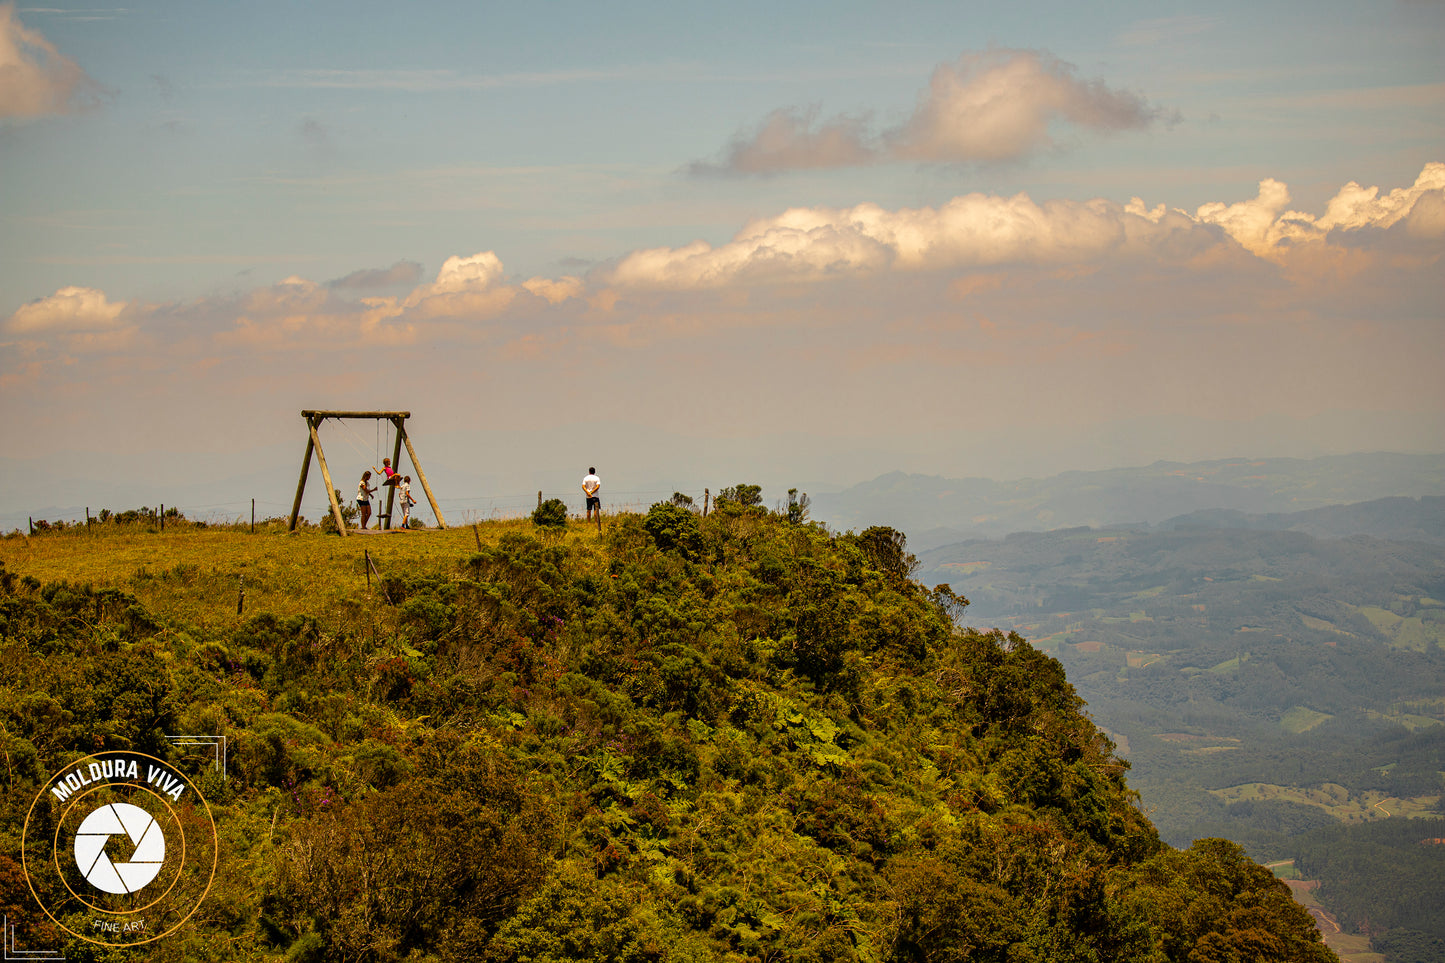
(591, 485)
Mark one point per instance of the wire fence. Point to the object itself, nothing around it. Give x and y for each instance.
(457, 511)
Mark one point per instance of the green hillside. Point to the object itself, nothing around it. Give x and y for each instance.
(733, 738)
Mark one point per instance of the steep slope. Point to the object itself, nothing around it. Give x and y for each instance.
(736, 738)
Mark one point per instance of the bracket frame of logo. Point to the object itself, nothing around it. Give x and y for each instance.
(9, 950)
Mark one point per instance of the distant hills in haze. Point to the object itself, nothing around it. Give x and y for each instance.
(935, 511)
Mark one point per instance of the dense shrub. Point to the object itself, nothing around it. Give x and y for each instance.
(550, 514)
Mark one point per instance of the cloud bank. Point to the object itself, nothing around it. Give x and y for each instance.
(978, 230)
(999, 105)
(967, 237)
(35, 78)
(990, 310)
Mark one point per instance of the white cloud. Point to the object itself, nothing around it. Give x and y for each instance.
(466, 289)
(1266, 228)
(68, 309)
(970, 231)
(998, 106)
(987, 107)
(985, 252)
(35, 78)
(468, 273)
(978, 230)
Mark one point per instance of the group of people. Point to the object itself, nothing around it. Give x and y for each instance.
(591, 485)
(400, 483)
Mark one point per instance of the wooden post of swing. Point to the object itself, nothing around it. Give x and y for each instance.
(420, 475)
(326, 476)
(396, 467)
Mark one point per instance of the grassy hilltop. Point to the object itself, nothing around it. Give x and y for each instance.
(733, 738)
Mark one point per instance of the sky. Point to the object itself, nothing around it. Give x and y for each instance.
(803, 243)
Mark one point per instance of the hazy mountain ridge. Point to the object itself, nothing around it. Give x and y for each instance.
(936, 510)
(1397, 518)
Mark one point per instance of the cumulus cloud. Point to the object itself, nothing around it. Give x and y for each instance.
(466, 288)
(1265, 227)
(999, 105)
(984, 253)
(402, 272)
(978, 230)
(35, 78)
(974, 230)
(69, 309)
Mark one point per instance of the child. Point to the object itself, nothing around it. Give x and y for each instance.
(391, 476)
(404, 492)
(363, 498)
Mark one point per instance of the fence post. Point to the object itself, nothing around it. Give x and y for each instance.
(539, 499)
(253, 516)
(241, 598)
(32, 524)
(706, 496)
(87, 518)
(163, 518)
(477, 532)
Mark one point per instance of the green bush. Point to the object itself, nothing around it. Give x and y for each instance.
(673, 528)
(551, 514)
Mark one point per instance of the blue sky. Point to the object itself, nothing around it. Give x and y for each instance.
(830, 240)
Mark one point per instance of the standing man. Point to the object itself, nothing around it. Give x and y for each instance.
(591, 485)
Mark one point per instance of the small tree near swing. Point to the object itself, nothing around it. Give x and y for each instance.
(313, 442)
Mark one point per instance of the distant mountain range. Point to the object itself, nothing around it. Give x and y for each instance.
(1401, 519)
(935, 511)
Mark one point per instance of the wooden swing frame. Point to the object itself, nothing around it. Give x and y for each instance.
(313, 441)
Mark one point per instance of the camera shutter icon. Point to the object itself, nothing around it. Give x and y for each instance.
(120, 819)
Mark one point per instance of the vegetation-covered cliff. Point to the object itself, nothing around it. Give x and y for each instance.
(733, 738)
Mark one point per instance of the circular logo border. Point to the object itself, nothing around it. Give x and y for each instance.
(205, 807)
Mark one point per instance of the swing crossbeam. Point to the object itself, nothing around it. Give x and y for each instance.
(314, 418)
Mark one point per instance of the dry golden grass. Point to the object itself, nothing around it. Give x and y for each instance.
(193, 576)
